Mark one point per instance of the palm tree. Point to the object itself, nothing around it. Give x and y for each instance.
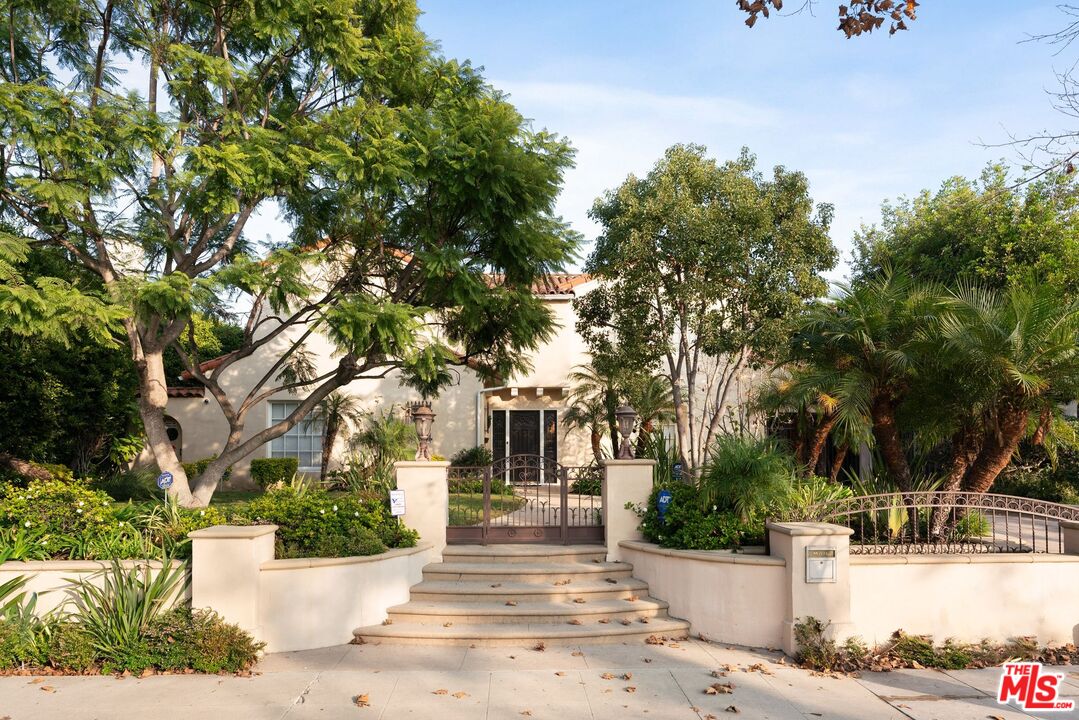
(591, 415)
(596, 390)
(336, 411)
(652, 400)
(1019, 347)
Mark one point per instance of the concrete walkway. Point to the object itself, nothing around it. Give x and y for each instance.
(615, 682)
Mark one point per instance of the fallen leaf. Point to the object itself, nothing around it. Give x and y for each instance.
(625, 622)
(612, 581)
(576, 621)
(540, 647)
(719, 689)
(562, 582)
(497, 585)
(526, 713)
(643, 620)
(647, 660)
(607, 676)
(579, 601)
(632, 598)
(387, 621)
(511, 603)
(48, 689)
(460, 695)
(631, 689)
(361, 700)
(560, 674)
(35, 681)
(577, 653)
(447, 624)
(733, 709)
(441, 691)
(604, 621)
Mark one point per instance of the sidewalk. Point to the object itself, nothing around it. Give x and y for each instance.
(446, 683)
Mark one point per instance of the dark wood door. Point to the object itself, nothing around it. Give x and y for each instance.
(524, 432)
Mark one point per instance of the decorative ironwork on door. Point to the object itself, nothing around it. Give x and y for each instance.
(525, 499)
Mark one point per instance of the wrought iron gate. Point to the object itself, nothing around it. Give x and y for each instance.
(525, 499)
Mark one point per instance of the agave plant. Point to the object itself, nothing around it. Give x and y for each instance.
(116, 605)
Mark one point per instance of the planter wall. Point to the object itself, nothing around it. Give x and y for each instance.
(48, 578)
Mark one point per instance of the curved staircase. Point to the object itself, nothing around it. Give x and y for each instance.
(525, 595)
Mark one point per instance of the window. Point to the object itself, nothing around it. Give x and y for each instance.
(303, 442)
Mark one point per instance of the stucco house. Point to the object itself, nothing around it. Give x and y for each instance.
(524, 414)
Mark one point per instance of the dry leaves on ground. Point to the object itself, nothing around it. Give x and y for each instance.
(441, 691)
(511, 603)
(631, 689)
(719, 689)
(361, 700)
(540, 647)
(460, 695)
(733, 709)
(576, 621)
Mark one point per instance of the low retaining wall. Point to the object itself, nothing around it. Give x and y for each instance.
(968, 597)
(318, 602)
(725, 596)
(49, 578)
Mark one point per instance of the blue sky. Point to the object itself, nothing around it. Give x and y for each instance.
(866, 119)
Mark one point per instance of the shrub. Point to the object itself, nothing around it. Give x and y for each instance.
(478, 456)
(806, 494)
(196, 468)
(590, 485)
(200, 640)
(55, 507)
(71, 647)
(268, 471)
(689, 526)
(129, 485)
(1041, 484)
(746, 474)
(13, 649)
(167, 525)
(117, 614)
(317, 524)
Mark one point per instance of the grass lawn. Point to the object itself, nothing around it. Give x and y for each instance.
(467, 508)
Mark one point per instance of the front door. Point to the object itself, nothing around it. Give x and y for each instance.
(524, 440)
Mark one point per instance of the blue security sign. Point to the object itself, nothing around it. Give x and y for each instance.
(663, 499)
(676, 471)
(164, 480)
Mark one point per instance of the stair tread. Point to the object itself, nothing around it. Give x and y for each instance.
(473, 587)
(523, 631)
(538, 568)
(522, 550)
(560, 607)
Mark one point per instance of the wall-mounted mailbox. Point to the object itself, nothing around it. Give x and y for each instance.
(820, 564)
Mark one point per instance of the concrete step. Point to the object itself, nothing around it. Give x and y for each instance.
(537, 572)
(521, 634)
(524, 553)
(528, 592)
(560, 612)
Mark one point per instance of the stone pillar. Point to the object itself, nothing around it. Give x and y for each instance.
(427, 499)
(827, 601)
(1069, 535)
(624, 481)
(225, 562)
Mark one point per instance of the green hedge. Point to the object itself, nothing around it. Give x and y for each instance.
(267, 471)
(689, 526)
(194, 469)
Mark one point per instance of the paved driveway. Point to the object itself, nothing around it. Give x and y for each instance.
(615, 682)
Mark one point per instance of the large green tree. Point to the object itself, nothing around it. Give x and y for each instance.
(701, 266)
(406, 180)
(986, 231)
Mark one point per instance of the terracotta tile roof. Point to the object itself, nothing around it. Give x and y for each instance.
(177, 391)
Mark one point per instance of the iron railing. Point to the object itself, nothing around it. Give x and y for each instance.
(525, 497)
(921, 522)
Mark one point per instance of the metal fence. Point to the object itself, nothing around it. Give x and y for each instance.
(920, 522)
(525, 498)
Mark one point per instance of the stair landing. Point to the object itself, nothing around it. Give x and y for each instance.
(526, 594)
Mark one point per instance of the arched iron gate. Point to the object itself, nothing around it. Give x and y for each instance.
(924, 522)
(525, 499)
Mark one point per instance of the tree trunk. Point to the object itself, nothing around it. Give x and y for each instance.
(153, 400)
(22, 467)
(886, 433)
(597, 446)
(816, 446)
(681, 423)
(329, 438)
(997, 450)
(837, 462)
(642, 437)
(965, 446)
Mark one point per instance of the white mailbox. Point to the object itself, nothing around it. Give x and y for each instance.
(820, 564)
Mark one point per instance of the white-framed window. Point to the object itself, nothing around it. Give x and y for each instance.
(303, 442)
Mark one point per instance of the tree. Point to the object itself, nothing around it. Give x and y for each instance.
(856, 17)
(67, 399)
(985, 231)
(701, 266)
(336, 412)
(406, 180)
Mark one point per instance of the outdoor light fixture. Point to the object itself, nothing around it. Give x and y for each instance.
(423, 419)
(627, 418)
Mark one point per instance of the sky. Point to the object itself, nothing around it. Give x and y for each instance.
(866, 119)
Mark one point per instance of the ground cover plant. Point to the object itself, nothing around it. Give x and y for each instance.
(817, 651)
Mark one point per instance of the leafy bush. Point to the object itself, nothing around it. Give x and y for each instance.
(129, 485)
(973, 525)
(746, 474)
(473, 484)
(268, 471)
(196, 468)
(478, 456)
(589, 485)
(317, 524)
(1040, 484)
(688, 525)
(658, 447)
(117, 614)
(55, 507)
(804, 495)
(201, 640)
(71, 647)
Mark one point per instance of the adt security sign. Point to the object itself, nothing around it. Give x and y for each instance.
(663, 499)
(677, 472)
(397, 503)
(164, 480)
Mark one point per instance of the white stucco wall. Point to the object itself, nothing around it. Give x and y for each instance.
(50, 579)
